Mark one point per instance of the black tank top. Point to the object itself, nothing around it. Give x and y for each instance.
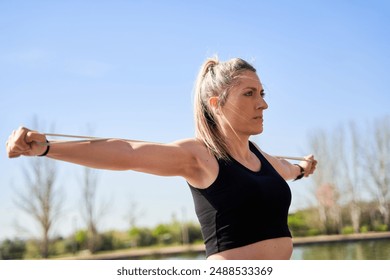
(241, 206)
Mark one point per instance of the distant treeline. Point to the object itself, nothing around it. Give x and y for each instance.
(174, 233)
(301, 223)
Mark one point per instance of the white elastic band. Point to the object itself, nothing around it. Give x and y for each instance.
(86, 139)
(293, 158)
(93, 138)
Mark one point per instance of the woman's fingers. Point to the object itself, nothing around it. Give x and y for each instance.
(24, 142)
(309, 165)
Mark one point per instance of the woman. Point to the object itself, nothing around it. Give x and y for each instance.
(240, 193)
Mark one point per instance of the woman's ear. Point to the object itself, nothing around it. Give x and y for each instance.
(213, 102)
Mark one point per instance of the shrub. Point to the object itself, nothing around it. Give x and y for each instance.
(298, 224)
(381, 227)
(364, 229)
(347, 230)
(141, 237)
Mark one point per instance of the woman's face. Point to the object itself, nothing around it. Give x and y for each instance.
(244, 106)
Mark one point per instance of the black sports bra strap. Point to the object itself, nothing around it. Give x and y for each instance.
(255, 150)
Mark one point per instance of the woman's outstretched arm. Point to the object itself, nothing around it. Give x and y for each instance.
(173, 159)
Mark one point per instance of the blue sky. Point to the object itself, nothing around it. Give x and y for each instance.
(127, 69)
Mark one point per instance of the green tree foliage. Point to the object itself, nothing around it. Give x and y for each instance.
(12, 249)
(81, 238)
(165, 234)
(141, 237)
(194, 233)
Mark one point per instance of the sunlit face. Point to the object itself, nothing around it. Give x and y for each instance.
(244, 106)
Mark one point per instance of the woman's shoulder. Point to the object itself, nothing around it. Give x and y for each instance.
(195, 148)
(206, 167)
(192, 144)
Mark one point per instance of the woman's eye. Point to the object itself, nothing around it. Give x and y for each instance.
(252, 93)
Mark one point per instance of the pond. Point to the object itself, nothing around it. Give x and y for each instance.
(350, 250)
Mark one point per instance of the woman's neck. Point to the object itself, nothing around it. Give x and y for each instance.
(238, 147)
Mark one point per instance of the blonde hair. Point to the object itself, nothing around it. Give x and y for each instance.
(215, 79)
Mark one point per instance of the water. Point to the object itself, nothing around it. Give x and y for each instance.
(349, 250)
(356, 250)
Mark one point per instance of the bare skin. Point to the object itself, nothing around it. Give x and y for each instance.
(240, 117)
(271, 249)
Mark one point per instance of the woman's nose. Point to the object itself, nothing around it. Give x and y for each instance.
(262, 104)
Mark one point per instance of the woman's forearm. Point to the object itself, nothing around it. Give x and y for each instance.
(111, 154)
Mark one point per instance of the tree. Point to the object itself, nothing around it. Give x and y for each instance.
(326, 191)
(40, 198)
(351, 170)
(327, 196)
(91, 212)
(378, 166)
(134, 213)
(132, 217)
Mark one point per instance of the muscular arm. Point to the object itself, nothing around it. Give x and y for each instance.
(173, 159)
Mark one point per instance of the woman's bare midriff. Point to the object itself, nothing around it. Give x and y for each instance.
(270, 249)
